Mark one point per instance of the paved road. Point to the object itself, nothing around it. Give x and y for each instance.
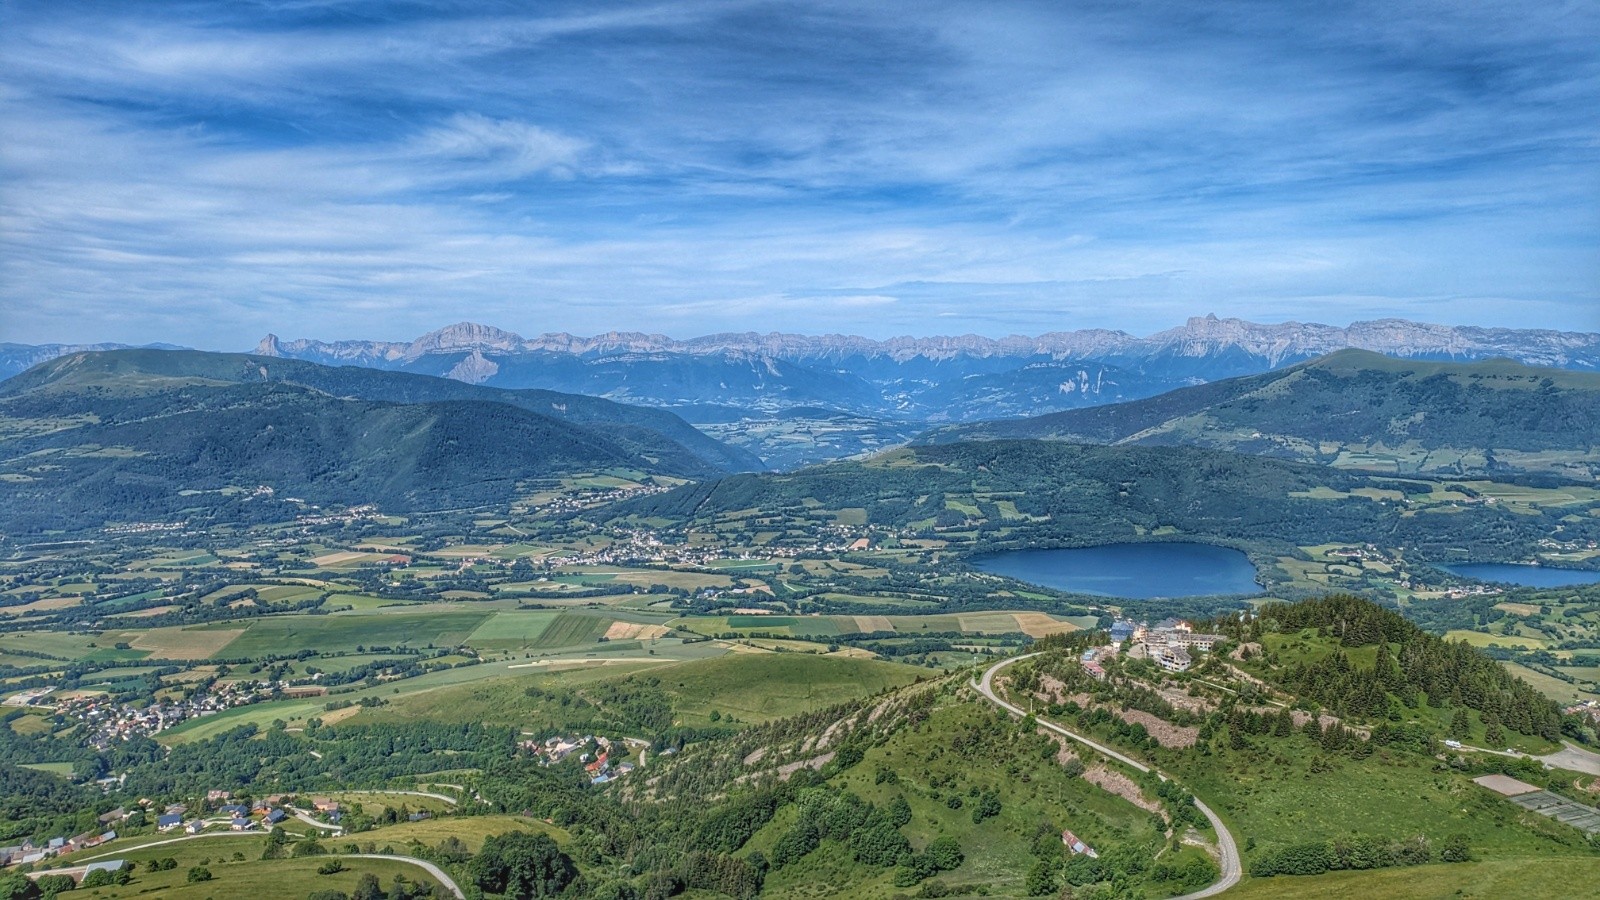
(177, 840)
(1570, 757)
(445, 797)
(1228, 850)
(1575, 758)
(305, 817)
(438, 874)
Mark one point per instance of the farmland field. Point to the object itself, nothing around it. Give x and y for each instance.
(186, 643)
(511, 630)
(285, 634)
(572, 629)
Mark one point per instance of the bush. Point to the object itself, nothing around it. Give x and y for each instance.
(1455, 849)
(199, 874)
(50, 885)
(1316, 857)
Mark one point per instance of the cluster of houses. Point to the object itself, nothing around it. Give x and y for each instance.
(599, 764)
(1589, 709)
(580, 500)
(1472, 590)
(28, 852)
(1170, 644)
(263, 814)
(345, 517)
(144, 527)
(644, 546)
(110, 722)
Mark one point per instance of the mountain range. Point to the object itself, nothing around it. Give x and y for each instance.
(783, 401)
(18, 358)
(933, 379)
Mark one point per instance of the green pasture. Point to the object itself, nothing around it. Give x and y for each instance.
(572, 629)
(288, 634)
(512, 630)
(1567, 877)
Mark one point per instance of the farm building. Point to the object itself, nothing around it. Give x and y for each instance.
(1076, 844)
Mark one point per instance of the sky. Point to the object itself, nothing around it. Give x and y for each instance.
(204, 173)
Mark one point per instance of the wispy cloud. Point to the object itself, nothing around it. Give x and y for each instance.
(207, 172)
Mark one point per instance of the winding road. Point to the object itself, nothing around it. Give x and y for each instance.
(1228, 850)
(438, 874)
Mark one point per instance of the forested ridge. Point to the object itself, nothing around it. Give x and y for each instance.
(1084, 494)
(1349, 397)
(1411, 666)
(117, 446)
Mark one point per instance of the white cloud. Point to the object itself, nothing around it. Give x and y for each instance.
(512, 149)
(200, 176)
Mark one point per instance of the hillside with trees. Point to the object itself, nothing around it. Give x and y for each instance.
(1069, 495)
(1357, 409)
(145, 435)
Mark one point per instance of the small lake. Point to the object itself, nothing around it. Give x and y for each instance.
(1524, 575)
(1130, 571)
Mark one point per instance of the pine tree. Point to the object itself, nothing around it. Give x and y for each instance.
(1284, 726)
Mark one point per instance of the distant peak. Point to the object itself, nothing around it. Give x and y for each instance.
(464, 336)
(269, 346)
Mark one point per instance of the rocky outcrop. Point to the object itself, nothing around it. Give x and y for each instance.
(475, 369)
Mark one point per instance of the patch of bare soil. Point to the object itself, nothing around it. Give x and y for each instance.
(1186, 701)
(1121, 785)
(1064, 752)
(1165, 733)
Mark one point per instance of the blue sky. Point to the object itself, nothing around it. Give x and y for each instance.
(204, 173)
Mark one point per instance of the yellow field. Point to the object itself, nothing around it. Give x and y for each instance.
(873, 623)
(1039, 624)
(41, 605)
(988, 623)
(634, 631)
(185, 643)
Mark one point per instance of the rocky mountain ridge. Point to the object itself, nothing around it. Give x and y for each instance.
(1200, 336)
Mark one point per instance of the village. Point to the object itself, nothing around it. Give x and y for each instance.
(645, 547)
(1589, 709)
(109, 721)
(216, 813)
(603, 759)
(1169, 644)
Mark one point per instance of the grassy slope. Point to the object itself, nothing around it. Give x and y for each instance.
(752, 687)
(1033, 791)
(282, 879)
(759, 688)
(1573, 878)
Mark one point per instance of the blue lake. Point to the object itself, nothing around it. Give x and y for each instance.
(1131, 571)
(1526, 576)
